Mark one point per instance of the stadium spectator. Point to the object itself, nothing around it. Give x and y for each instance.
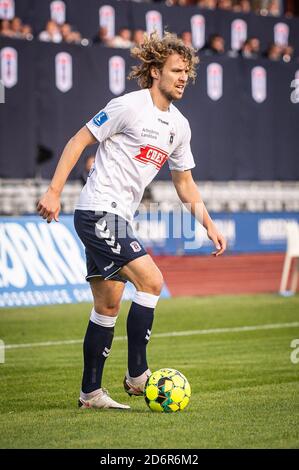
(274, 52)
(5, 29)
(288, 53)
(207, 4)
(122, 39)
(101, 37)
(69, 35)
(243, 6)
(27, 32)
(138, 37)
(225, 5)
(270, 7)
(187, 38)
(251, 48)
(51, 33)
(274, 8)
(17, 27)
(215, 45)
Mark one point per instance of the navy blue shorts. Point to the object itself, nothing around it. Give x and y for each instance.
(109, 241)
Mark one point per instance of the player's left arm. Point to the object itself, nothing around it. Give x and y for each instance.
(189, 194)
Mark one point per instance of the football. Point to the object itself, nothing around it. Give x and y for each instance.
(167, 390)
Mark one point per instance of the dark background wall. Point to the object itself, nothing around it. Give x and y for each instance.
(233, 137)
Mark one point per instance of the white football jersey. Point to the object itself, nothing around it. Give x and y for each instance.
(136, 139)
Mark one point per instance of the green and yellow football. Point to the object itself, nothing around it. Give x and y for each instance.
(167, 390)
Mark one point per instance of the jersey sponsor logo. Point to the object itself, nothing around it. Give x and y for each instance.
(57, 10)
(198, 31)
(64, 71)
(153, 155)
(135, 246)
(215, 81)
(281, 34)
(107, 20)
(153, 21)
(100, 118)
(295, 92)
(7, 9)
(9, 67)
(259, 84)
(238, 34)
(117, 81)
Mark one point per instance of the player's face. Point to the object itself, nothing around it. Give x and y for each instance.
(173, 78)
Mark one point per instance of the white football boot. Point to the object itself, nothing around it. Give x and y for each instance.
(101, 399)
(135, 385)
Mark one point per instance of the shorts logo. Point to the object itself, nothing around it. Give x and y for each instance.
(153, 155)
(106, 268)
(100, 118)
(102, 231)
(135, 246)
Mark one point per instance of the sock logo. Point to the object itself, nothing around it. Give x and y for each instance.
(148, 335)
(106, 352)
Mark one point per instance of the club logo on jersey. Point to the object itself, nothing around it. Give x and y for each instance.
(7, 9)
(9, 66)
(64, 71)
(58, 11)
(135, 246)
(153, 155)
(171, 136)
(100, 118)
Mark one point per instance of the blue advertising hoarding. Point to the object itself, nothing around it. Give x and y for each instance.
(44, 263)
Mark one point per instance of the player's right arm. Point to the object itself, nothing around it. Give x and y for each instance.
(48, 206)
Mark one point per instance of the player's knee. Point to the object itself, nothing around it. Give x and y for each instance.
(153, 284)
(110, 309)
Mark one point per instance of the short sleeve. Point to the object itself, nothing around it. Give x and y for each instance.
(181, 159)
(111, 120)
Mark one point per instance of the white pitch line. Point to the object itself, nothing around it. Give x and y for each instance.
(238, 329)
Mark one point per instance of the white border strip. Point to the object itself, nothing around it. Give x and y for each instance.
(237, 329)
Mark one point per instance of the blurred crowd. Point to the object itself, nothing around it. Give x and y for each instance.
(125, 38)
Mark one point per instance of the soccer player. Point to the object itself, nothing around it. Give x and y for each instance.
(137, 133)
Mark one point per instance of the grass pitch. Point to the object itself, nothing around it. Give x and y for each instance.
(245, 391)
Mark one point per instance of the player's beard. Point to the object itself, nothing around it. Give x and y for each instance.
(168, 94)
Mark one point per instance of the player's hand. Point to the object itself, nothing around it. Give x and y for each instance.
(218, 240)
(48, 206)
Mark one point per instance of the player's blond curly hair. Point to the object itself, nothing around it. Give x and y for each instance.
(153, 53)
